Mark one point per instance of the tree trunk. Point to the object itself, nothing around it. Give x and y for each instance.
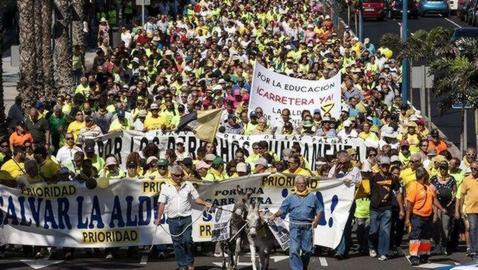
(78, 18)
(46, 51)
(63, 49)
(2, 104)
(27, 51)
(37, 26)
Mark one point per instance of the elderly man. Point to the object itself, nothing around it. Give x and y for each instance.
(175, 200)
(304, 211)
(65, 154)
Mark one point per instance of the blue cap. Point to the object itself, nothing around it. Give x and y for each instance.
(252, 114)
(121, 114)
(39, 104)
(316, 111)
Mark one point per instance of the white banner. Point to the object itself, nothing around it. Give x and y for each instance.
(122, 144)
(274, 92)
(69, 215)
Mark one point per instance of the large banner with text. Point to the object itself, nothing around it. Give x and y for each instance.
(274, 92)
(123, 143)
(123, 214)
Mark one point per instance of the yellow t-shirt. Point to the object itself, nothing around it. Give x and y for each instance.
(299, 171)
(151, 123)
(469, 189)
(75, 127)
(13, 168)
(407, 176)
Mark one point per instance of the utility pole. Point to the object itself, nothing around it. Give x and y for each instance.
(405, 61)
(360, 15)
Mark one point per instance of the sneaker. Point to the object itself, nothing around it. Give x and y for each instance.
(68, 255)
(109, 256)
(372, 253)
(382, 258)
(161, 255)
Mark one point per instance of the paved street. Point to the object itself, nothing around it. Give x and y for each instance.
(450, 122)
(278, 261)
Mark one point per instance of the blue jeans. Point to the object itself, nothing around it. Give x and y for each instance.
(473, 220)
(300, 238)
(182, 244)
(380, 224)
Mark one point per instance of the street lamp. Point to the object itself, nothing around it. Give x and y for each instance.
(405, 61)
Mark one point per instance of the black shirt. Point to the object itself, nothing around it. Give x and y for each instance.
(38, 129)
(382, 189)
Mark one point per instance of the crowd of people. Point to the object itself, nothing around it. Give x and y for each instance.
(203, 59)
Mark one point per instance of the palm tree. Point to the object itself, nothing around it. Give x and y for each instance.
(46, 50)
(456, 76)
(37, 28)
(28, 55)
(2, 104)
(78, 18)
(63, 55)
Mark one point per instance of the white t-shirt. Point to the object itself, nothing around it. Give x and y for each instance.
(178, 202)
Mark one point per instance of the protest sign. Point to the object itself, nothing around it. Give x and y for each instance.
(281, 232)
(312, 147)
(274, 92)
(222, 218)
(70, 215)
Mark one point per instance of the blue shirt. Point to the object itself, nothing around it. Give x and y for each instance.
(301, 208)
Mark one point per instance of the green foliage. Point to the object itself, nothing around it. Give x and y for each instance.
(456, 75)
(391, 41)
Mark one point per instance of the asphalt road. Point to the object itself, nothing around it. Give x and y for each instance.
(449, 122)
(277, 261)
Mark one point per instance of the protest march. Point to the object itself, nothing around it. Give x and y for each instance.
(253, 123)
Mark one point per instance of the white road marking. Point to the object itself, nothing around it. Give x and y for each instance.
(432, 265)
(323, 261)
(452, 22)
(144, 259)
(41, 263)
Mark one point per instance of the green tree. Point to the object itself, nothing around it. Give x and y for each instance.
(391, 41)
(456, 76)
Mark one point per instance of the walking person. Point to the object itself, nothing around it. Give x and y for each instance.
(445, 186)
(469, 204)
(421, 198)
(383, 186)
(304, 211)
(175, 200)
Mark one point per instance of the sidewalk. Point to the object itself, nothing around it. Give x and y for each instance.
(11, 77)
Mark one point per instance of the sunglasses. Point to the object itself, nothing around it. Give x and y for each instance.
(69, 138)
(474, 169)
(414, 161)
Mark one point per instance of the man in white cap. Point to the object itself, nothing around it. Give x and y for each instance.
(175, 200)
(111, 169)
(180, 151)
(241, 169)
(260, 166)
(348, 131)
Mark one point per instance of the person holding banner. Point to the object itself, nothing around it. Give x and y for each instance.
(175, 200)
(304, 210)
